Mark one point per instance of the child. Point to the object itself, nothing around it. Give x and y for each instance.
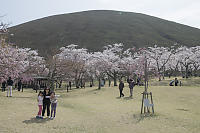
(53, 99)
(40, 104)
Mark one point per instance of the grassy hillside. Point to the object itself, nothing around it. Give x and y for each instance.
(94, 29)
(92, 111)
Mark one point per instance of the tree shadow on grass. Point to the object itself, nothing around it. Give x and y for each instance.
(128, 98)
(183, 109)
(142, 117)
(36, 120)
(95, 91)
(22, 97)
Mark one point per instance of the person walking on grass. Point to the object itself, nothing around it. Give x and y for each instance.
(131, 85)
(121, 87)
(46, 102)
(10, 84)
(40, 103)
(3, 86)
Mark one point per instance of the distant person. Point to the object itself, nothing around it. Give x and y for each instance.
(46, 102)
(19, 85)
(10, 84)
(121, 87)
(70, 85)
(171, 83)
(40, 104)
(131, 85)
(138, 81)
(3, 86)
(90, 84)
(176, 82)
(102, 82)
(23, 85)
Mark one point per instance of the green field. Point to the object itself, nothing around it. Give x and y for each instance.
(89, 110)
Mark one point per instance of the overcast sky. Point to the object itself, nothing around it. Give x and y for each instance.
(182, 11)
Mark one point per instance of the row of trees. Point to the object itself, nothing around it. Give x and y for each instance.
(115, 62)
(72, 63)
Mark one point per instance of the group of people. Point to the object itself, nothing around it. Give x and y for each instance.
(131, 86)
(175, 82)
(45, 100)
(9, 85)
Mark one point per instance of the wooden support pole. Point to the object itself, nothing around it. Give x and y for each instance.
(142, 102)
(152, 102)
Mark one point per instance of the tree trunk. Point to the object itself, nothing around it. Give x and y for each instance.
(51, 84)
(56, 85)
(159, 76)
(186, 72)
(115, 79)
(109, 82)
(92, 82)
(99, 84)
(163, 76)
(77, 82)
(52, 87)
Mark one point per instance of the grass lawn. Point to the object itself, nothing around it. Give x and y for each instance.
(177, 110)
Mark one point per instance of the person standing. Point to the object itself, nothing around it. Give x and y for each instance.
(70, 85)
(19, 85)
(53, 99)
(121, 87)
(46, 102)
(131, 85)
(176, 82)
(40, 103)
(10, 84)
(3, 86)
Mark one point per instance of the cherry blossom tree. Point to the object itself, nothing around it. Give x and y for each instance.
(159, 57)
(19, 62)
(185, 59)
(195, 59)
(113, 56)
(72, 60)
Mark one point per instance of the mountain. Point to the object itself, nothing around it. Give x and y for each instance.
(97, 28)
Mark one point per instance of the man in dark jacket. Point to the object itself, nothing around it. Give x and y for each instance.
(10, 84)
(176, 82)
(46, 102)
(121, 87)
(70, 85)
(19, 85)
(3, 86)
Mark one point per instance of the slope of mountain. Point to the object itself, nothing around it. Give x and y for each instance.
(97, 28)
